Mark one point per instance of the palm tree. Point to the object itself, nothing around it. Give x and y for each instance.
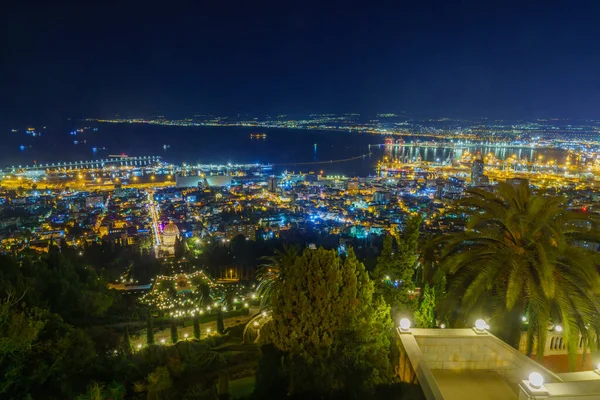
(202, 293)
(519, 255)
(271, 271)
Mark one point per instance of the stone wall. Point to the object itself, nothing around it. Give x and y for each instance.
(462, 354)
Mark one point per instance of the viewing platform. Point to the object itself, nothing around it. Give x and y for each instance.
(463, 364)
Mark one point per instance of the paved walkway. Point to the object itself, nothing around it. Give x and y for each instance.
(482, 385)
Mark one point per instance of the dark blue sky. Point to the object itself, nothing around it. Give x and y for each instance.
(436, 58)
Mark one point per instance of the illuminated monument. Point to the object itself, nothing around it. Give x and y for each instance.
(169, 237)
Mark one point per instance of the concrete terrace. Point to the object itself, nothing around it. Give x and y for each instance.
(453, 364)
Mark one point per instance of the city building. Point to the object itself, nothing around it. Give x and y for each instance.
(169, 237)
(477, 176)
(249, 231)
(352, 186)
(439, 188)
(381, 197)
(94, 202)
(272, 184)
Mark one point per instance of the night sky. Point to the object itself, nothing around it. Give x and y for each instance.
(430, 58)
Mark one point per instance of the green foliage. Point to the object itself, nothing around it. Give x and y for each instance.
(94, 392)
(54, 283)
(149, 331)
(39, 334)
(386, 262)
(145, 243)
(199, 391)
(335, 335)
(167, 285)
(269, 272)
(223, 385)
(127, 347)
(425, 314)
(203, 292)
(159, 383)
(395, 269)
(220, 322)
(99, 391)
(59, 346)
(197, 327)
(19, 330)
(184, 370)
(516, 257)
(271, 380)
(180, 248)
(174, 332)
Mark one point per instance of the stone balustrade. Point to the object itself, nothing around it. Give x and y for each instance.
(555, 344)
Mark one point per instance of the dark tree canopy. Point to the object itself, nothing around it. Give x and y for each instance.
(334, 333)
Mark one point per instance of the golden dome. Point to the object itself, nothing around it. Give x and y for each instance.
(171, 229)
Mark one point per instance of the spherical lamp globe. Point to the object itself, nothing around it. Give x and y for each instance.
(536, 380)
(480, 325)
(405, 324)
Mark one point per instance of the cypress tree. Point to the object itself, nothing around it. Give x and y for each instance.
(220, 322)
(425, 314)
(150, 331)
(395, 270)
(174, 333)
(127, 343)
(197, 327)
(224, 386)
(324, 316)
